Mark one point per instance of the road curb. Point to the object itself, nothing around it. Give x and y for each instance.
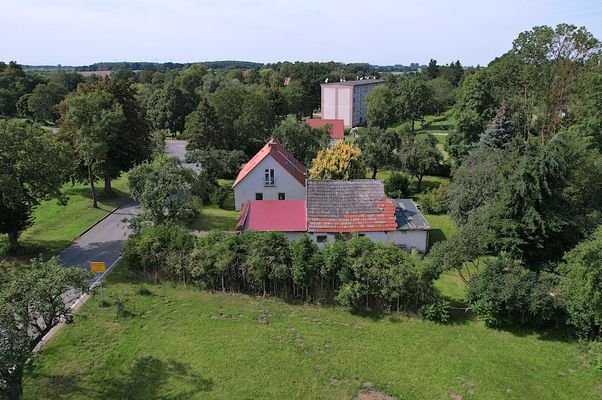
(88, 229)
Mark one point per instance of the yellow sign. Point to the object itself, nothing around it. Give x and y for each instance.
(97, 266)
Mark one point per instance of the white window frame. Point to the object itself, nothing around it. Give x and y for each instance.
(269, 177)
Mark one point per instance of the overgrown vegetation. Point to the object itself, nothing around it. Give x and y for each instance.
(358, 273)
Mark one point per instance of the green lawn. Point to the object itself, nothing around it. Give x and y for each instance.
(56, 226)
(177, 342)
(212, 217)
(215, 218)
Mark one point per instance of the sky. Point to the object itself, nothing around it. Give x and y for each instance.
(381, 32)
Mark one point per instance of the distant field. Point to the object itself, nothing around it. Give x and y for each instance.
(56, 226)
(177, 342)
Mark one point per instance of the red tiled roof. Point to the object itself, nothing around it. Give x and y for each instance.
(349, 206)
(337, 126)
(283, 157)
(273, 215)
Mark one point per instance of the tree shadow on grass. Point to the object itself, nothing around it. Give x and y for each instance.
(436, 235)
(148, 378)
(113, 200)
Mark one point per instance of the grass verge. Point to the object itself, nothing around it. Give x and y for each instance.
(56, 226)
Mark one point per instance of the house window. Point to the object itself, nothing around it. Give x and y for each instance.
(361, 235)
(269, 177)
(281, 196)
(258, 196)
(321, 238)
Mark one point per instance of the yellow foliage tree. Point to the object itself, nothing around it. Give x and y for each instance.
(341, 161)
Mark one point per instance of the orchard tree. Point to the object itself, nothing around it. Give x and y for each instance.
(443, 93)
(32, 169)
(31, 303)
(380, 107)
(342, 161)
(418, 155)
(301, 140)
(379, 147)
(414, 100)
(96, 120)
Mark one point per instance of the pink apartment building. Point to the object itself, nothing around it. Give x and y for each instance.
(347, 100)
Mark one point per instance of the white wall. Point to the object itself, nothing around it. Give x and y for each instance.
(254, 182)
(329, 103)
(409, 239)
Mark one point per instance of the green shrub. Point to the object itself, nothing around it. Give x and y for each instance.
(435, 201)
(437, 311)
(397, 185)
(219, 196)
(160, 251)
(581, 286)
(203, 187)
(505, 294)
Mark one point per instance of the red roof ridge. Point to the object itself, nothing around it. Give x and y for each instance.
(282, 157)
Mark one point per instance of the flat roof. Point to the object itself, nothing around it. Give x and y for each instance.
(354, 83)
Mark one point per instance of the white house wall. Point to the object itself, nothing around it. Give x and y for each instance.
(408, 239)
(254, 182)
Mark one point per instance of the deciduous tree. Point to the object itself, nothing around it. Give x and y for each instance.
(31, 303)
(341, 161)
(379, 147)
(301, 140)
(32, 169)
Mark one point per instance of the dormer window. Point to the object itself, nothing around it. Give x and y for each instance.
(269, 177)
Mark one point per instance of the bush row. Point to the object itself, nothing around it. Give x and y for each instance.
(356, 272)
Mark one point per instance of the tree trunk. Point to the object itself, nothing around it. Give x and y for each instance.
(108, 187)
(13, 240)
(374, 171)
(16, 390)
(91, 179)
(413, 125)
(419, 188)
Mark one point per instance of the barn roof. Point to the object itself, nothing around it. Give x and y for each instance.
(349, 206)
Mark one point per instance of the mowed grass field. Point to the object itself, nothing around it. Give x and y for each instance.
(56, 226)
(177, 342)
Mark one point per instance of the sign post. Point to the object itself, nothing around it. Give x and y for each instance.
(99, 267)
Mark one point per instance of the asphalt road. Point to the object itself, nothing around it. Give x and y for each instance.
(101, 243)
(104, 241)
(177, 148)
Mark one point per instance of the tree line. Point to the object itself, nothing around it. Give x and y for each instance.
(527, 183)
